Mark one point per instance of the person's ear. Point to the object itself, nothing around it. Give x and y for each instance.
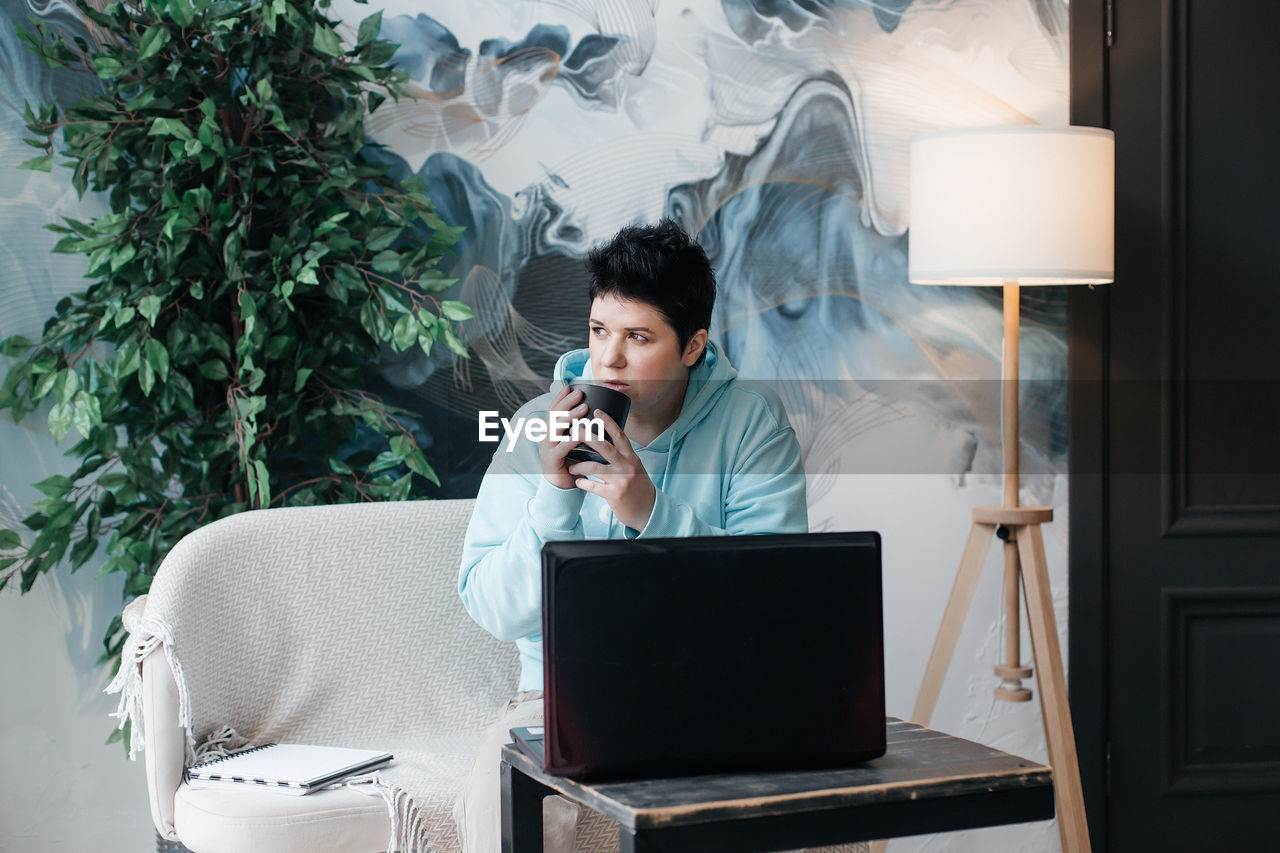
(694, 348)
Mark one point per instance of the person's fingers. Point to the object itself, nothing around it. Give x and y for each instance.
(620, 448)
(566, 397)
(605, 449)
(587, 485)
(560, 449)
(565, 424)
(583, 469)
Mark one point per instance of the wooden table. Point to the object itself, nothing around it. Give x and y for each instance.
(926, 782)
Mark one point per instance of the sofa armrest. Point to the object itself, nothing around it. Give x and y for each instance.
(165, 744)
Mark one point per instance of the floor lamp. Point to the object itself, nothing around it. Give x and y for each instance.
(1014, 206)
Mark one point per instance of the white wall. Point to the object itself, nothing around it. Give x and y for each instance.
(61, 787)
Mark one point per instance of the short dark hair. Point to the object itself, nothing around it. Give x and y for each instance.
(662, 266)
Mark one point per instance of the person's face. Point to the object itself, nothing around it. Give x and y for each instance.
(634, 350)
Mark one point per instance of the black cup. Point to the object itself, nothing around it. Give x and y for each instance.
(613, 403)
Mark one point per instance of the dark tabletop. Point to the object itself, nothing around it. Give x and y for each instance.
(920, 764)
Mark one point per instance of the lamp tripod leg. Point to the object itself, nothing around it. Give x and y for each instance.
(975, 553)
(1047, 653)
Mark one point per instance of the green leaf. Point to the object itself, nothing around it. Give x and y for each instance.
(121, 255)
(378, 52)
(400, 489)
(301, 379)
(60, 421)
(426, 337)
(9, 540)
(405, 333)
(15, 345)
(45, 386)
(454, 343)
(137, 584)
(87, 413)
(263, 482)
(116, 564)
(146, 378)
(108, 67)
(402, 445)
(369, 29)
(387, 261)
(82, 551)
(214, 369)
(384, 461)
(455, 310)
(149, 307)
(140, 100)
(418, 464)
(157, 357)
(56, 486)
(128, 360)
(170, 126)
(326, 41)
(374, 322)
(66, 385)
(43, 163)
(181, 11)
(153, 41)
(277, 346)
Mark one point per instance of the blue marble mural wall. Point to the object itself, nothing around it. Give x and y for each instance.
(775, 131)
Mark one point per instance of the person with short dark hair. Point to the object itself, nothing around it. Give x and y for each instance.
(704, 453)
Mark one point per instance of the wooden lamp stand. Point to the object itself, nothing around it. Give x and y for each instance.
(1014, 205)
(1018, 527)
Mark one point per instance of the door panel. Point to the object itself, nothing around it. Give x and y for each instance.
(1182, 557)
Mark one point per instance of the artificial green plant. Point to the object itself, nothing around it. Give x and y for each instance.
(254, 261)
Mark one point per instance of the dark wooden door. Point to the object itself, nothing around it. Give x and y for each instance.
(1175, 540)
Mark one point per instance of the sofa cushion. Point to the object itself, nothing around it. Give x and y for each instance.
(341, 820)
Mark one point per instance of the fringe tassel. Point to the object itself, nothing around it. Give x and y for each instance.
(408, 827)
(222, 743)
(128, 683)
(152, 633)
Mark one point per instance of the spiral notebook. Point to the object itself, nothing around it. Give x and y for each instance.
(286, 768)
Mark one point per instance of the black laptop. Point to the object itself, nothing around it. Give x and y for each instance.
(710, 654)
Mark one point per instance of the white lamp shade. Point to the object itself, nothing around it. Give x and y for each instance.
(1021, 203)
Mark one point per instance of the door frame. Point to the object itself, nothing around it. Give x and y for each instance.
(1088, 312)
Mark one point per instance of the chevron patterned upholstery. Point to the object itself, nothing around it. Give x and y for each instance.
(333, 625)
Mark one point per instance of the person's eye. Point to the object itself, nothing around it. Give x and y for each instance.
(598, 331)
(639, 337)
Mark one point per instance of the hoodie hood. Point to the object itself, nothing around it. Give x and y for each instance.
(707, 382)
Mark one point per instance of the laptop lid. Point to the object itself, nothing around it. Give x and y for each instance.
(710, 654)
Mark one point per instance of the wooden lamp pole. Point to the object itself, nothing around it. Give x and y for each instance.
(1019, 528)
(1016, 205)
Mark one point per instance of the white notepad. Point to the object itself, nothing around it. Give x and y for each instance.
(286, 768)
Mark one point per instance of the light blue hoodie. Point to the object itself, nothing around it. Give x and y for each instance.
(730, 464)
